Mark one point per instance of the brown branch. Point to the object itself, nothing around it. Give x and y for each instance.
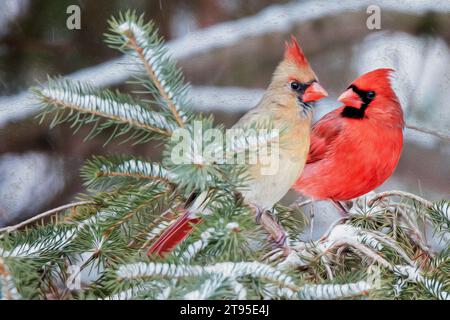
(149, 69)
(132, 175)
(363, 249)
(398, 193)
(439, 134)
(131, 213)
(99, 114)
(300, 203)
(44, 214)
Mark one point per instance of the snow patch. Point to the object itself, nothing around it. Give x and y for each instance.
(27, 182)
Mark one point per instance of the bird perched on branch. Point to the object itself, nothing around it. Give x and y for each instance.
(287, 106)
(356, 147)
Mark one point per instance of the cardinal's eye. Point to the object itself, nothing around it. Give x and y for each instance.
(370, 95)
(295, 85)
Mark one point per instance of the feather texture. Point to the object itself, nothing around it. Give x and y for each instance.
(349, 157)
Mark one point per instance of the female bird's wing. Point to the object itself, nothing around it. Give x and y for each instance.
(324, 132)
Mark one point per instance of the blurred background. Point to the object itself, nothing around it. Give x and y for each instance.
(227, 50)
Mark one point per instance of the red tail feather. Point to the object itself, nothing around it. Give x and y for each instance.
(174, 234)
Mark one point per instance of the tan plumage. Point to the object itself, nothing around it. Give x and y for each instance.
(285, 107)
(280, 108)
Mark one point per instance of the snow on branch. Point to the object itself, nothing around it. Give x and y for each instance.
(52, 240)
(433, 286)
(104, 172)
(141, 41)
(80, 104)
(230, 270)
(334, 291)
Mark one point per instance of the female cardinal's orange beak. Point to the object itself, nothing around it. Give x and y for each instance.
(350, 98)
(314, 92)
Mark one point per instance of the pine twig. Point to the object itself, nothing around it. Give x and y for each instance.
(148, 68)
(134, 123)
(43, 215)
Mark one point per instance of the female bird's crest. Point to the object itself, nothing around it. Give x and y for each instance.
(294, 53)
(294, 82)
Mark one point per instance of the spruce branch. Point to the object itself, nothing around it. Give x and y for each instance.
(101, 173)
(210, 288)
(142, 271)
(44, 242)
(132, 210)
(8, 289)
(140, 40)
(334, 291)
(433, 286)
(45, 215)
(80, 104)
(439, 215)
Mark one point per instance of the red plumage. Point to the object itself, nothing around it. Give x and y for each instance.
(295, 53)
(174, 234)
(352, 155)
(297, 69)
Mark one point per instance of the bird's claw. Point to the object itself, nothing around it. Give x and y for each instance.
(342, 208)
(281, 240)
(259, 213)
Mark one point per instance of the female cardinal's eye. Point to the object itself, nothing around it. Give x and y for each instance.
(370, 95)
(295, 85)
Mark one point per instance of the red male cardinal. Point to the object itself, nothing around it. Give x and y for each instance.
(286, 106)
(356, 147)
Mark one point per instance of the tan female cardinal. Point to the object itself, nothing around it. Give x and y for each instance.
(287, 106)
(356, 147)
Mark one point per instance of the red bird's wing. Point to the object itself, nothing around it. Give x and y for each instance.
(323, 133)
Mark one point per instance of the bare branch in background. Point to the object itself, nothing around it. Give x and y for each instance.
(398, 193)
(436, 133)
(44, 214)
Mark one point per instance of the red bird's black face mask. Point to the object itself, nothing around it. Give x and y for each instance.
(356, 102)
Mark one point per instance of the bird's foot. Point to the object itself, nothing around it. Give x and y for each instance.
(280, 241)
(344, 211)
(276, 231)
(258, 214)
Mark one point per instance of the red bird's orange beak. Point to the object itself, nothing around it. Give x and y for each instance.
(314, 92)
(350, 99)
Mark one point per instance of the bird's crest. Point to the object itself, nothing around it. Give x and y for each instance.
(379, 79)
(294, 53)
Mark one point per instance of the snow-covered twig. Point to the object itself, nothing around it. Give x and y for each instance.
(334, 291)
